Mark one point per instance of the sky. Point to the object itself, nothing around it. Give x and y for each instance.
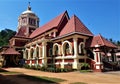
(99, 16)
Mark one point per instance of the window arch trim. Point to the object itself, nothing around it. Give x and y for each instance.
(54, 47)
(27, 54)
(81, 48)
(63, 47)
(37, 51)
(31, 53)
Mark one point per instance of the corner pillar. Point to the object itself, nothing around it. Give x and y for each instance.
(75, 64)
(98, 67)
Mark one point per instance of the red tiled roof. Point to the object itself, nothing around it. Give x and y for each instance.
(101, 41)
(11, 51)
(21, 32)
(75, 25)
(50, 25)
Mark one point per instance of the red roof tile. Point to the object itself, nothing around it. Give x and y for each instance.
(75, 25)
(50, 25)
(11, 51)
(101, 41)
(21, 32)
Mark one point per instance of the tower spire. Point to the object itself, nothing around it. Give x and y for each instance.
(29, 8)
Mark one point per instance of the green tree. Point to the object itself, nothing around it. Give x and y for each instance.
(118, 43)
(5, 35)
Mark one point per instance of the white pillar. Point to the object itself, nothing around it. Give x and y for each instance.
(63, 55)
(62, 64)
(49, 34)
(29, 54)
(44, 60)
(54, 34)
(98, 64)
(24, 54)
(75, 47)
(34, 53)
(75, 53)
(29, 57)
(43, 49)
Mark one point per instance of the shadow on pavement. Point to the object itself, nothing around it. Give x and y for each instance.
(5, 80)
(22, 79)
(2, 70)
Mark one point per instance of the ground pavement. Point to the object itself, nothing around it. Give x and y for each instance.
(89, 78)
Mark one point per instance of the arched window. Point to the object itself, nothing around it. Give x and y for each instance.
(56, 50)
(67, 49)
(50, 52)
(26, 54)
(40, 49)
(81, 48)
(37, 52)
(31, 53)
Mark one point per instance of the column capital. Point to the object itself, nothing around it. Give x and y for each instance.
(75, 38)
(44, 43)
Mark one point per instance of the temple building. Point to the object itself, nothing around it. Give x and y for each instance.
(62, 41)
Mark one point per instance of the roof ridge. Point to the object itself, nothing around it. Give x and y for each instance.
(102, 39)
(64, 14)
(85, 27)
(74, 21)
(47, 26)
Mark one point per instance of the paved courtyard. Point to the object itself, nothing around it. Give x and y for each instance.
(71, 77)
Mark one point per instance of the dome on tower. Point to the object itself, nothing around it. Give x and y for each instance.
(28, 11)
(28, 21)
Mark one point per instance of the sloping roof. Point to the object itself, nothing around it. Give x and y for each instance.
(10, 51)
(50, 25)
(21, 32)
(75, 25)
(101, 41)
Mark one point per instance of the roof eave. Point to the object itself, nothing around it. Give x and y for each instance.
(71, 34)
(43, 32)
(104, 46)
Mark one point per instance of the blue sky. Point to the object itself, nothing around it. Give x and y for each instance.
(100, 16)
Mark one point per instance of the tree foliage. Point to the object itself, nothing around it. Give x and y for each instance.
(5, 35)
(118, 43)
(114, 42)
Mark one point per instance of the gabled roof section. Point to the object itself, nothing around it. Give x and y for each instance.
(101, 41)
(48, 26)
(75, 25)
(21, 32)
(11, 51)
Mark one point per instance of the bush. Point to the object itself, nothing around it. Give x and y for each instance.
(85, 71)
(50, 69)
(33, 67)
(37, 67)
(57, 70)
(85, 66)
(26, 66)
(43, 68)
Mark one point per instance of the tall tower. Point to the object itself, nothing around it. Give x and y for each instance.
(27, 22)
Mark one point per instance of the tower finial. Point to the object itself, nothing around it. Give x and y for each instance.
(29, 8)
